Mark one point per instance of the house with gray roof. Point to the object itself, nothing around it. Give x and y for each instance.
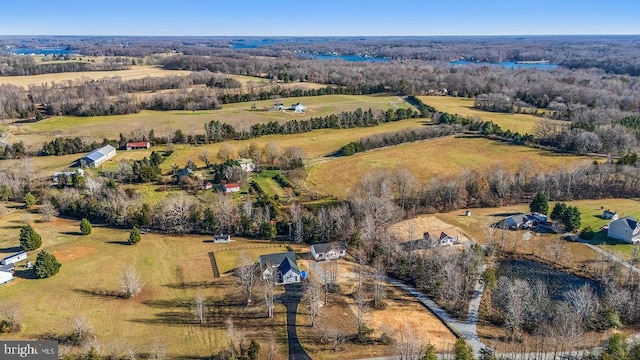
(98, 156)
(625, 229)
(281, 266)
(329, 251)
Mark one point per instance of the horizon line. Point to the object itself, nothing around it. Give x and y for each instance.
(317, 36)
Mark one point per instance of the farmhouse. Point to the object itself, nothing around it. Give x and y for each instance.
(14, 258)
(282, 267)
(136, 145)
(329, 251)
(68, 174)
(221, 239)
(609, 215)
(625, 229)
(445, 239)
(247, 165)
(98, 156)
(522, 221)
(232, 187)
(298, 108)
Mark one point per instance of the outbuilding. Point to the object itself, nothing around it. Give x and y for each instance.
(98, 156)
(221, 239)
(137, 145)
(5, 276)
(22, 255)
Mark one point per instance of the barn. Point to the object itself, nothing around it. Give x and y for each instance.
(22, 255)
(98, 156)
(137, 145)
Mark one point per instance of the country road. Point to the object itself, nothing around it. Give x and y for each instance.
(3, 138)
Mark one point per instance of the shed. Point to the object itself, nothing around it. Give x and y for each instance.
(609, 215)
(221, 239)
(136, 145)
(22, 255)
(5, 276)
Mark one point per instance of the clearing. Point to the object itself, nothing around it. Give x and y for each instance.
(522, 123)
(432, 158)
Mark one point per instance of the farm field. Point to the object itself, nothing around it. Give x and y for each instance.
(136, 72)
(174, 269)
(522, 123)
(432, 158)
(239, 115)
(259, 84)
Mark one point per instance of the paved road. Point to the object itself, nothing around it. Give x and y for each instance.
(612, 257)
(291, 299)
(3, 138)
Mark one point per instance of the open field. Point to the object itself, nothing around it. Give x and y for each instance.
(522, 123)
(174, 269)
(136, 72)
(431, 158)
(240, 115)
(261, 84)
(402, 314)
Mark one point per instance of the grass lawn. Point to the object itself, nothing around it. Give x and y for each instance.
(164, 123)
(268, 184)
(522, 123)
(431, 158)
(174, 269)
(136, 72)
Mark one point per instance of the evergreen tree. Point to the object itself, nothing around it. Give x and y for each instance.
(540, 204)
(430, 353)
(46, 265)
(85, 226)
(462, 350)
(571, 218)
(558, 211)
(616, 348)
(254, 350)
(134, 236)
(29, 238)
(29, 200)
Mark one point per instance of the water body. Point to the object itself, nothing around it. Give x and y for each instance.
(356, 58)
(508, 64)
(42, 51)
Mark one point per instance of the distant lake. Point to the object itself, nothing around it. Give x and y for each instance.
(42, 51)
(508, 64)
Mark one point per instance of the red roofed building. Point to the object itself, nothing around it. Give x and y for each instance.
(233, 187)
(138, 145)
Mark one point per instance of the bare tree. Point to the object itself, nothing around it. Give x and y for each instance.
(130, 282)
(271, 152)
(268, 286)
(10, 314)
(47, 210)
(199, 306)
(246, 272)
(204, 156)
(378, 276)
(226, 152)
(403, 181)
(328, 274)
(584, 302)
(296, 221)
(82, 331)
(312, 294)
(408, 347)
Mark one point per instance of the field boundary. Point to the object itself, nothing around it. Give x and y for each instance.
(214, 265)
(248, 247)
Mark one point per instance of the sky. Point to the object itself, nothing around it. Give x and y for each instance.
(319, 17)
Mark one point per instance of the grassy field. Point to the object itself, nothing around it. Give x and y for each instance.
(136, 72)
(522, 123)
(261, 84)
(174, 269)
(431, 158)
(240, 115)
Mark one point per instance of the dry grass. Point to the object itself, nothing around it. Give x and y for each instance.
(522, 123)
(136, 72)
(174, 269)
(432, 158)
(401, 314)
(413, 229)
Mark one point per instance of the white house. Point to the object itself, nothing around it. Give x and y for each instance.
(298, 108)
(443, 240)
(247, 165)
(221, 239)
(68, 174)
(232, 187)
(625, 229)
(329, 251)
(609, 215)
(282, 267)
(5, 276)
(22, 255)
(98, 156)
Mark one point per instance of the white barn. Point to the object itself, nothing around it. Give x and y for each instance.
(98, 156)
(221, 239)
(22, 255)
(298, 108)
(329, 251)
(5, 276)
(625, 229)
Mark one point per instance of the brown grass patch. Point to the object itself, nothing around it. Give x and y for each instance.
(413, 229)
(72, 253)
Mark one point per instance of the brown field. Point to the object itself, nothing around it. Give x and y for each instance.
(414, 228)
(432, 158)
(402, 313)
(522, 123)
(136, 72)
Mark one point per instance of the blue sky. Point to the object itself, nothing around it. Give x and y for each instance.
(319, 17)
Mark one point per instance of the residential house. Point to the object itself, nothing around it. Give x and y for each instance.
(329, 251)
(68, 174)
(22, 255)
(98, 156)
(221, 239)
(522, 221)
(281, 266)
(184, 172)
(247, 165)
(444, 239)
(298, 108)
(208, 185)
(625, 229)
(609, 215)
(231, 187)
(277, 105)
(136, 145)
